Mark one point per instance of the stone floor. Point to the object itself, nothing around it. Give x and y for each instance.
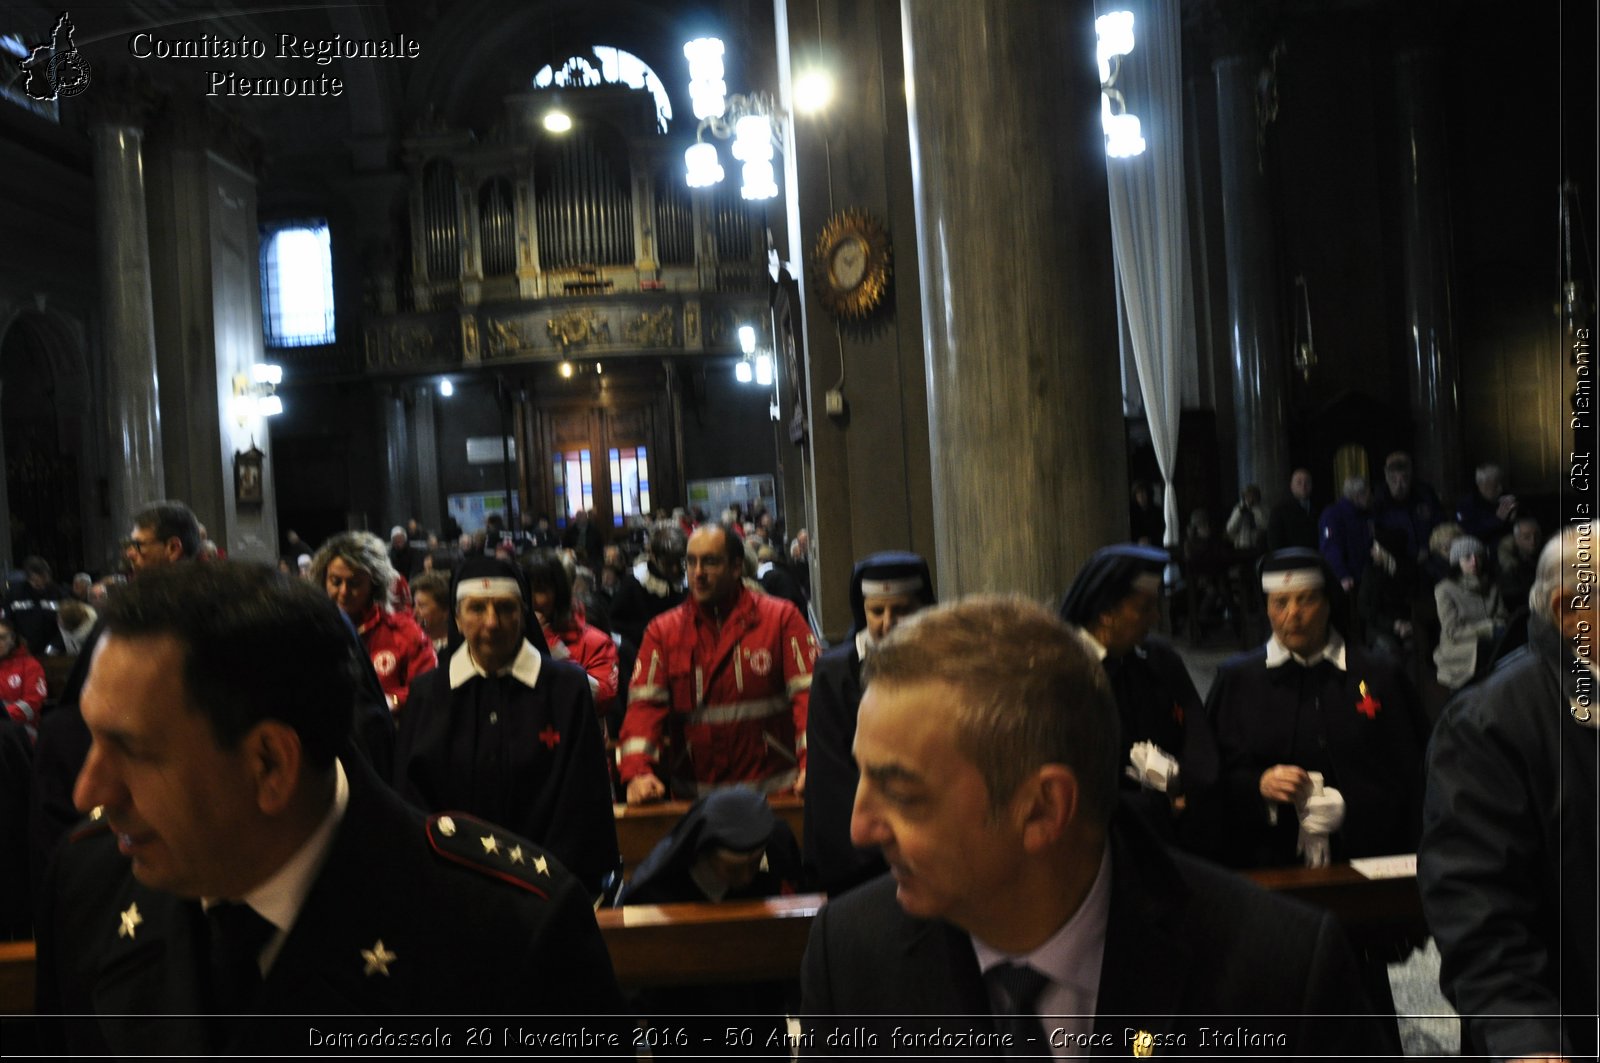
(1428, 1025)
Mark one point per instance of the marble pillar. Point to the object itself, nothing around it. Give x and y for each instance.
(1258, 352)
(1018, 307)
(425, 444)
(398, 500)
(127, 320)
(1431, 371)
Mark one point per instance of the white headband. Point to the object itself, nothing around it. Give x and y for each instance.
(884, 588)
(1147, 581)
(488, 587)
(1291, 579)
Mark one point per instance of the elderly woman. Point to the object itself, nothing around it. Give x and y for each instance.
(1321, 741)
(885, 588)
(1471, 613)
(353, 567)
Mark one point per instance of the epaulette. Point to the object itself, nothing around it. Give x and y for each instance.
(92, 824)
(493, 851)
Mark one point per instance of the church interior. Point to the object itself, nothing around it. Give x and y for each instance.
(316, 268)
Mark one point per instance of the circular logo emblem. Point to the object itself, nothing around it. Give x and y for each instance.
(761, 661)
(69, 74)
(383, 662)
(16, 681)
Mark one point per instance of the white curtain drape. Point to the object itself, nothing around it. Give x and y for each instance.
(1149, 230)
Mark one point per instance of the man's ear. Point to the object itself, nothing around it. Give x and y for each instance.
(1050, 806)
(273, 754)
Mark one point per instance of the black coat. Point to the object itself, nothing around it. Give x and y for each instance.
(469, 937)
(1187, 946)
(1507, 860)
(1318, 719)
(831, 776)
(532, 759)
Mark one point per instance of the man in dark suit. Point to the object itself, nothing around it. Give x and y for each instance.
(239, 861)
(988, 748)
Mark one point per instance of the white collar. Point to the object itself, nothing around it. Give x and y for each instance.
(279, 899)
(1090, 643)
(865, 644)
(524, 667)
(1332, 652)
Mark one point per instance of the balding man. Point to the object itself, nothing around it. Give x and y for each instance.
(1507, 860)
(988, 749)
(724, 677)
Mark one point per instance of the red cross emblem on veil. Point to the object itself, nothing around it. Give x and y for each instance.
(550, 737)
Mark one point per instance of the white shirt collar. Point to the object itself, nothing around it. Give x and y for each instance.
(524, 667)
(279, 899)
(1072, 956)
(1332, 652)
(1090, 643)
(865, 644)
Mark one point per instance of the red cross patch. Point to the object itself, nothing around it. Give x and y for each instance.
(550, 737)
(1368, 706)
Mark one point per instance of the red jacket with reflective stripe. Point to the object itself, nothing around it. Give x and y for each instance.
(400, 652)
(733, 700)
(22, 686)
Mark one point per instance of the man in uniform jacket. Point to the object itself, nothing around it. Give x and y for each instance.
(238, 862)
(1015, 889)
(1507, 861)
(885, 588)
(504, 732)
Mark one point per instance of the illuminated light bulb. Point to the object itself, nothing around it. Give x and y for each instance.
(813, 91)
(557, 121)
(741, 372)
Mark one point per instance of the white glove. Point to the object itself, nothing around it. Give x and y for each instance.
(1152, 768)
(1320, 815)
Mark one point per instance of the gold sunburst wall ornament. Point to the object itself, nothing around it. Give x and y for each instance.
(851, 264)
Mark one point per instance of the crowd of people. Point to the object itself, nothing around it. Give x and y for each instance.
(1051, 796)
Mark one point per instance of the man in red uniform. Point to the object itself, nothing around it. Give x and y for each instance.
(726, 676)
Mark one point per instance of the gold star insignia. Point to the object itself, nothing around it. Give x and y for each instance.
(516, 855)
(130, 922)
(97, 813)
(541, 865)
(378, 959)
(447, 826)
(491, 844)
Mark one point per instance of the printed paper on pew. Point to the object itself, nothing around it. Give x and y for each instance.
(1402, 866)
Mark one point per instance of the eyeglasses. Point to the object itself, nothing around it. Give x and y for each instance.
(131, 543)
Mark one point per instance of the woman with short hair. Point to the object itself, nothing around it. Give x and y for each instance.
(353, 568)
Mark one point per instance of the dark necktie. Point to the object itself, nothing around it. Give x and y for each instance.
(1018, 987)
(238, 934)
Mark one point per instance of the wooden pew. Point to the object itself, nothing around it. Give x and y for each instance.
(639, 827)
(697, 944)
(16, 977)
(689, 944)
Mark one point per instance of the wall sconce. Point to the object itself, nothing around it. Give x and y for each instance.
(751, 122)
(1115, 40)
(256, 394)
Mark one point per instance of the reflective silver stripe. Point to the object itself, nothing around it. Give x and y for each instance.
(797, 684)
(639, 745)
(738, 668)
(759, 709)
(800, 742)
(645, 692)
(688, 789)
(799, 658)
(699, 686)
(655, 662)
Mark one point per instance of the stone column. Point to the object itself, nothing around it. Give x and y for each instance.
(1259, 386)
(127, 318)
(1431, 373)
(1018, 309)
(398, 500)
(425, 443)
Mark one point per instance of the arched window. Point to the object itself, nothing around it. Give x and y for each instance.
(616, 67)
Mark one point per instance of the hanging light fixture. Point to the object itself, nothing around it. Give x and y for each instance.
(752, 122)
(1114, 31)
